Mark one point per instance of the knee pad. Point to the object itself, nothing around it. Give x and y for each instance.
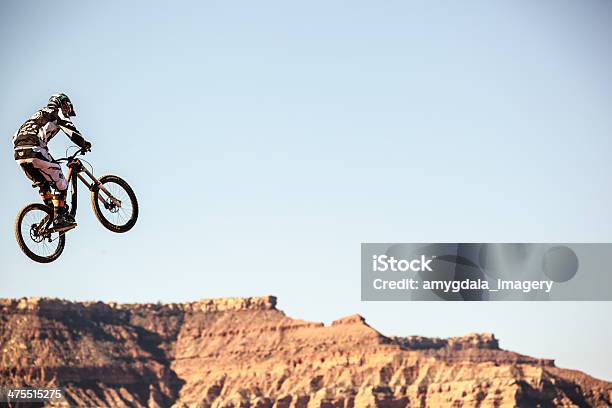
(59, 199)
(45, 194)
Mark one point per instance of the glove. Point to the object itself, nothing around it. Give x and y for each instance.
(87, 147)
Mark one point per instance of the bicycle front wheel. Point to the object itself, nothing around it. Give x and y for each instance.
(31, 232)
(114, 204)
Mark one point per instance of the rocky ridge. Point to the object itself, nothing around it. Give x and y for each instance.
(244, 352)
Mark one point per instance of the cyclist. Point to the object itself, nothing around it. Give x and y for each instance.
(32, 154)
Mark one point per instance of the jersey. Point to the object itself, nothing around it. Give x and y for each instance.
(42, 126)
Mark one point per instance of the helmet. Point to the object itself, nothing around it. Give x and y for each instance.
(57, 100)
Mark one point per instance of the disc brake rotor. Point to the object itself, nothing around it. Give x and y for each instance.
(34, 235)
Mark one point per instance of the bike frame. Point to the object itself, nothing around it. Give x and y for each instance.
(76, 169)
(32, 234)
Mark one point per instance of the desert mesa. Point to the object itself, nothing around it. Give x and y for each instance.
(244, 352)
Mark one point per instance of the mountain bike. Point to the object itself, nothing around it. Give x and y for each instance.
(114, 205)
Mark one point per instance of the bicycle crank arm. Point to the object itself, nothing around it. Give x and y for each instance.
(53, 230)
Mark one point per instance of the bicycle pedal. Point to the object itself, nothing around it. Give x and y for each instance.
(65, 228)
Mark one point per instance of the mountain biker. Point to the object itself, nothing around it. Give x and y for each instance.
(32, 154)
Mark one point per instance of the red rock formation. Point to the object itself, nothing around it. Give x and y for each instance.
(246, 353)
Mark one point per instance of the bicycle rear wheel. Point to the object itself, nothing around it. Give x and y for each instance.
(117, 207)
(31, 226)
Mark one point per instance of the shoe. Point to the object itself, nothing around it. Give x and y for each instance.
(64, 222)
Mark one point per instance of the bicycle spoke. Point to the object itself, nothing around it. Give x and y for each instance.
(38, 244)
(117, 215)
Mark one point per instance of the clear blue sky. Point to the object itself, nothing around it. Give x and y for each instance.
(267, 140)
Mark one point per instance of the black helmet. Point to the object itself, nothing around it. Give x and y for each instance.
(57, 100)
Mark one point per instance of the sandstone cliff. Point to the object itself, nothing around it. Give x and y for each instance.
(246, 353)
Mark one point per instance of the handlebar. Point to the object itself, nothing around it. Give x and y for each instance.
(68, 159)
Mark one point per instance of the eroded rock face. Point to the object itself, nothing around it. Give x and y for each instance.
(243, 352)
